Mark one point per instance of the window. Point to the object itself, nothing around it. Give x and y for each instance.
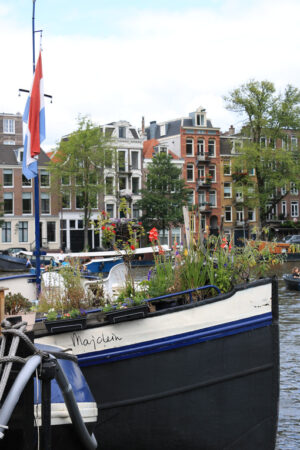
(51, 231)
(239, 196)
(283, 190)
(294, 142)
(227, 190)
(66, 200)
(6, 232)
(212, 173)
(8, 202)
(189, 147)
(23, 231)
(9, 126)
(122, 183)
(200, 120)
(212, 148)
(201, 172)
(122, 132)
(175, 235)
(135, 185)
(251, 215)
(283, 208)
(110, 209)
(212, 198)
(80, 224)
(9, 142)
(79, 200)
(26, 202)
(109, 185)
(135, 211)
(200, 147)
(228, 214)
(45, 203)
(272, 211)
(25, 182)
(162, 129)
(294, 190)
(7, 177)
(45, 178)
(227, 168)
(65, 180)
(201, 198)
(190, 198)
(93, 178)
(263, 141)
(240, 214)
(135, 160)
(294, 209)
(73, 224)
(164, 237)
(121, 161)
(190, 172)
(251, 172)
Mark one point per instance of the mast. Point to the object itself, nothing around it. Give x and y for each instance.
(36, 183)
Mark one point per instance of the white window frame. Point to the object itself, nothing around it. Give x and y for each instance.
(294, 209)
(26, 229)
(45, 173)
(29, 194)
(213, 196)
(294, 142)
(11, 172)
(284, 208)
(190, 167)
(253, 211)
(44, 194)
(201, 147)
(9, 142)
(138, 160)
(189, 142)
(9, 126)
(228, 191)
(228, 209)
(212, 173)
(293, 189)
(13, 203)
(240, 214)
(139, 185)
(210, 141)
(200, 120)
(228, 165)
(69, 196)
(201, 172)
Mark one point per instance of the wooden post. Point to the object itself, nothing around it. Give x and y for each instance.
(2, 303)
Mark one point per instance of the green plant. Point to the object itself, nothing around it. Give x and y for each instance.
(52, 314)
(14, 303)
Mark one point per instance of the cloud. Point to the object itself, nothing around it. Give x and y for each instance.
(160, 65)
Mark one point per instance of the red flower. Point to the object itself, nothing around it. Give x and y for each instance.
(103, 228)
(113, 225)
(132, 247)
(103, 213)
(139, 223)
(114, 231)
(153, 235)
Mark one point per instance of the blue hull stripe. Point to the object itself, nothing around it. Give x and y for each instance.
(175, 341)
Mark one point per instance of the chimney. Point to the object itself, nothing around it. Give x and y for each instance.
(143, 124)
(231, 130)
(153, 127)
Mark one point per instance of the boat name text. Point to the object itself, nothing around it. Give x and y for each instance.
(93, 341)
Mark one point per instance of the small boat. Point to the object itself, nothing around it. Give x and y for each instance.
(292, 282)
(12, 263)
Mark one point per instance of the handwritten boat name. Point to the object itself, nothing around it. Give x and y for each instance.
(93, 341)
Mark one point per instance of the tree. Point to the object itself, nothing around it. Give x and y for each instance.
(78, 168)
(165, 194)
(268, 117)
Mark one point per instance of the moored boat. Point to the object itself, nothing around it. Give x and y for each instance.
(292, 282)
(200, 375)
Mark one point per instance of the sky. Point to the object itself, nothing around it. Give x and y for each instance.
(120, 60)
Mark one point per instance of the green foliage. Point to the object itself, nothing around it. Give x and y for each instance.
(164, 195)
(266, 114)
(15, 303)
(79, 161)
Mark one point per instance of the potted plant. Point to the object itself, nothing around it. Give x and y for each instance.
(73, 320)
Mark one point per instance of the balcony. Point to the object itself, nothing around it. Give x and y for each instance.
(240, 223)
(202, 158)
(205, 207)
(204, 184)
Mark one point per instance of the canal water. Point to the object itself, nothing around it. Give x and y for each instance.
(288, 437)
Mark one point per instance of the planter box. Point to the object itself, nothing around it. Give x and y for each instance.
(60, 325)
(122, 315)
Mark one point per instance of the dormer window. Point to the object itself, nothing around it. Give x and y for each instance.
(200, 119)
(122, 132)
(163, 130)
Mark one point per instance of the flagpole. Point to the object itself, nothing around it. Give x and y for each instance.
(36, 183)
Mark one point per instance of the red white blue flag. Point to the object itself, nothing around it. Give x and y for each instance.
(34, 117)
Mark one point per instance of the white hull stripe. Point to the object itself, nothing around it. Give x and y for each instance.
(171, 342)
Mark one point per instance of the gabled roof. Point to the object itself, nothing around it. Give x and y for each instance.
(8, 155)
(149, 149)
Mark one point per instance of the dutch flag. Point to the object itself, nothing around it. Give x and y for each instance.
(34, 116)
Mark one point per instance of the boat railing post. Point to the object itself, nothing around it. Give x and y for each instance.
(47, 374)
